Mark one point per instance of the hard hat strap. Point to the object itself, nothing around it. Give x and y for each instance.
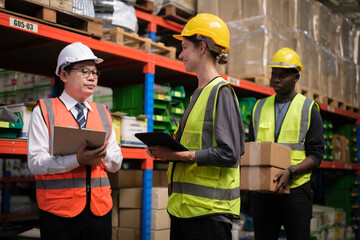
(64, 65)
(210, 43)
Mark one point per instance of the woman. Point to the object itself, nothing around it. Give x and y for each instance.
(204, 182)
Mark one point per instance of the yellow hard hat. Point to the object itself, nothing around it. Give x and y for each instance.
(286, 58)
(207, 25)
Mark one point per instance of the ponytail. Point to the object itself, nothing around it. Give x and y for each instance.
(222, 57)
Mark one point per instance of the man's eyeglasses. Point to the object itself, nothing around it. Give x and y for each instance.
(86, 72)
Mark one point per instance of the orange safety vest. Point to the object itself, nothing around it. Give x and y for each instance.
(64, 194)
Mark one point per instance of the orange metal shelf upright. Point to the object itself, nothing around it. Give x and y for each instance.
(156, 20)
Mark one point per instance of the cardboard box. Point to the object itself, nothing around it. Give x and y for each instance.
(131, 218)
(341, 149)
(132, 198)
(114, 234)
(160, 234)
(255, 178)
(135, 234)
(266, 154)
(160, 219)
(129, 234)
(126, 127)
(160, 178)
(66, 5)
(126, 178)
(159, 198)
(115, 211)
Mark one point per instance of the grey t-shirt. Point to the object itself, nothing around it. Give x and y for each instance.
(280, 112)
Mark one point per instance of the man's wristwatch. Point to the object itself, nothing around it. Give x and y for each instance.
(292, 172)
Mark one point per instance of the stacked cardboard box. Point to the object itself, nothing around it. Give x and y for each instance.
(260, 163)
(341, 149)
(127, 207)
(19, 87)
(328, 44)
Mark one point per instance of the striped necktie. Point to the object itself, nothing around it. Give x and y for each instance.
(80, 117)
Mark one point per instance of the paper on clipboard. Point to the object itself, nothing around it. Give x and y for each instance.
(68, 140)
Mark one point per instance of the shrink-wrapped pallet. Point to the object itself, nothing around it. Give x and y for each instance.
(309, 54)
(329, 72)
(254, 41)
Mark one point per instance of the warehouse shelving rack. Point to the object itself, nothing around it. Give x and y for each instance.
(36, 52)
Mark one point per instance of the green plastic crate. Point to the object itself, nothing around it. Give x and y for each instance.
(348, 130)
(178, 93)
(129, 100)
(11, 129)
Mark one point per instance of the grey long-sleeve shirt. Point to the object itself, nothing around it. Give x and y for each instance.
(229, 131)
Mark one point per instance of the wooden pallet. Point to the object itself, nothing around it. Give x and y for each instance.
(53, 16)
(119, 36)
(333, 102)
(175, 13)
(352, 108)
(145, 5)
(310, 93)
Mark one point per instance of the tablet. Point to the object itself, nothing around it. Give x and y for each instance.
(160, 138)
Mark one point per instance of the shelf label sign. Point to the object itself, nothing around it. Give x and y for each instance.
(32, 27)
(330, 109)
(234, 81)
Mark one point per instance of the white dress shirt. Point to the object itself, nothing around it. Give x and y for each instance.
(39, 159)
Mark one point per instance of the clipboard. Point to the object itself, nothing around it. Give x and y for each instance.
(160, 138)
(68, 140)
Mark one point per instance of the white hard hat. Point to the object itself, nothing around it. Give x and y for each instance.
(75, 52)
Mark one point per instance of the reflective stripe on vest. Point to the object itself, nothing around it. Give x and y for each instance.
(55, 192)
(293, 123)
(206, 192)
(198, 191)
(71, 183)
(104, 119)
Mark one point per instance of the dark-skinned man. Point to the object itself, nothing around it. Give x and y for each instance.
(290, 119)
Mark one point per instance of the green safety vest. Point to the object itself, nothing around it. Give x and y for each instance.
(203, 190)
(293, 129)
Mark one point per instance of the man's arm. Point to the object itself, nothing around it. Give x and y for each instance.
(39, 159)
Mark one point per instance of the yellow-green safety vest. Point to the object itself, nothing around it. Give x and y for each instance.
(203, 190)
(293, 129)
